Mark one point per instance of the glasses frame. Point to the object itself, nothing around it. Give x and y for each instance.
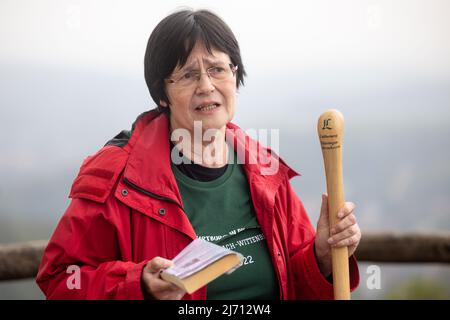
(232, 67)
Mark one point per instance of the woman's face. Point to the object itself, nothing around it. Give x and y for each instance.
(207, 100)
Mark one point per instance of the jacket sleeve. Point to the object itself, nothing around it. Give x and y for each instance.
(83, 258)
(308, 281)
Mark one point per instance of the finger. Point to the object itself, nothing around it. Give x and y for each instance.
(346, 233)
(346, 222)
(176, 294)
(166, 290)
(352, 241)
(346, 209)
(159, 285)
(158, 263)
(323, 218)
(173, 295)
(324, 207)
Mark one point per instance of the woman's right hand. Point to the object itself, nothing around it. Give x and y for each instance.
(154, 286)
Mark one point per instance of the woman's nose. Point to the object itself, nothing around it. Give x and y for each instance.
(204, 84)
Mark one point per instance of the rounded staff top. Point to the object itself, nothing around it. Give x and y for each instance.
(330, 128)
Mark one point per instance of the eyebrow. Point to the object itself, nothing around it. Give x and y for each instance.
(207, 60)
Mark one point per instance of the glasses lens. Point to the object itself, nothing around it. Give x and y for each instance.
(215, 73)
(219, 73)
(188, 78)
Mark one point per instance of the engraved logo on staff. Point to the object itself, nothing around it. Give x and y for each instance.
(325, 124)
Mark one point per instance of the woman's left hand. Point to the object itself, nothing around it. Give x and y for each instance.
(345, 233)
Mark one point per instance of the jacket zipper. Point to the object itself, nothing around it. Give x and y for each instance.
(150, 194)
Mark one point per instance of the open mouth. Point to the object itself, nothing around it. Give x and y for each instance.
(207, 107)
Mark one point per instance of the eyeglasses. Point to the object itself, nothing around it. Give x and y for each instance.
(216, 73)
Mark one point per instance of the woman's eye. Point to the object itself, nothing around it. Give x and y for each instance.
(188, 75)
(217, 70)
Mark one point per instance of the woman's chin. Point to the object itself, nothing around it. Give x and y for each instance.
(213, 122)
(213, 125)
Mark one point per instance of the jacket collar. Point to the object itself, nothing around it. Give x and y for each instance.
(148, 166)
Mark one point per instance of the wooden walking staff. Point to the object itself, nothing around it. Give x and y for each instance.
(330, 128)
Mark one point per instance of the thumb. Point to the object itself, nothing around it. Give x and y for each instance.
(323, 218)
(158, 263)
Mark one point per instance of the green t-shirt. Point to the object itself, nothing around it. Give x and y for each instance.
(221, 211)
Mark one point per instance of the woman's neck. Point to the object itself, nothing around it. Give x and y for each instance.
(208, 150)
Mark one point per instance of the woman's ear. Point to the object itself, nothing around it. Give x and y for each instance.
(163, 103)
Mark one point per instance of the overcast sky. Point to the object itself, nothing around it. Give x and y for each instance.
(272, 34)
(341, 54)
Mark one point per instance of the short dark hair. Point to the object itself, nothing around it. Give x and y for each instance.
(171, 43)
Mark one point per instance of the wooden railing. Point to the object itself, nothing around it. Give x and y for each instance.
(21, 260)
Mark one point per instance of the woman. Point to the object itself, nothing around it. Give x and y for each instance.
(185, 171)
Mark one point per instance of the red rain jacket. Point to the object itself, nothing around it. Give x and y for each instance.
(126, 209)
